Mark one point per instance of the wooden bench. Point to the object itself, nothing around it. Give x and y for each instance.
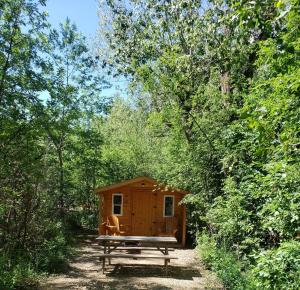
(113, 243)
(136, 248)
(167, 258)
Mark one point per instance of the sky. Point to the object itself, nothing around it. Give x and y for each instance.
(84, 14)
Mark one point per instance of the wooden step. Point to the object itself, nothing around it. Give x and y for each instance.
(137, 256)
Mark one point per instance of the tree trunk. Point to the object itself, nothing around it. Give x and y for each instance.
(61, 182)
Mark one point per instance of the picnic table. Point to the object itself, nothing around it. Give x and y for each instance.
(118, 243)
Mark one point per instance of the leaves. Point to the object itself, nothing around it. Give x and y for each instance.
(221, 84)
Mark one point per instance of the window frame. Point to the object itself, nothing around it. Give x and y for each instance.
(113, 204)
(173, 206)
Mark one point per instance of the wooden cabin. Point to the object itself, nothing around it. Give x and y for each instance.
(144, 208)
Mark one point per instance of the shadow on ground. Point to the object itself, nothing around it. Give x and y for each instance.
(125, 284)
(140, 270)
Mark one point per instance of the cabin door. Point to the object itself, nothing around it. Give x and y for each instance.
(141, 212)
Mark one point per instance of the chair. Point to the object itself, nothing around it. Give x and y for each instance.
(103, 229)
(112, 226)
(170, 227)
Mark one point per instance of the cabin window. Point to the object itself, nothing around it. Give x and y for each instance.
(117, 203)
(168, 205)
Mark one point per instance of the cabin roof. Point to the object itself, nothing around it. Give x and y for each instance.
(100, 190)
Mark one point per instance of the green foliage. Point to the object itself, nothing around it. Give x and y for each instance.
(220, 84)
(262, 157)
(52, 256)
(274, 269)
(22, 268)
(215, 110)
(47, 253)
(279, 268)
(223, 263)
(130, 145)
(73, 84)
(53, 252)
(18, 276)
(49, 146)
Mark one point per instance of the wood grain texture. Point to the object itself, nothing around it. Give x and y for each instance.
(157, 240)
(143, 207)
(137, 256)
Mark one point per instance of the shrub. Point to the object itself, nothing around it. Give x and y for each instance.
(223, 263)
(24, 276)
(5, 276)
(19, 275)
(279, 268)
(83, 219)
(54, 251)
(53, 255)
(20, 268)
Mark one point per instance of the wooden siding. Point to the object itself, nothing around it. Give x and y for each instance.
(143, 209)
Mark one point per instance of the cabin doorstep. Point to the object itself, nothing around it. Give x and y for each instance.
(144, 208)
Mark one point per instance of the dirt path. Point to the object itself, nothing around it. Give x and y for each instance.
(186, 272)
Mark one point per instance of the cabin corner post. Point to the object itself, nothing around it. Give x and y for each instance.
(183, 226)
(100, 212)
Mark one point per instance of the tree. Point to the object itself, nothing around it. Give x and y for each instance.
(19, 84)
(262, 156)
(49, 92)
(130, 146)
(221, 79)
(73, 85)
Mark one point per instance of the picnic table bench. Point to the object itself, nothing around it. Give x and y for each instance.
(116, 243)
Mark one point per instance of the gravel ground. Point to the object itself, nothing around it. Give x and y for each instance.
(85, 272)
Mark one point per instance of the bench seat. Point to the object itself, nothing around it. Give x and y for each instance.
(137, 256)
(135, 248)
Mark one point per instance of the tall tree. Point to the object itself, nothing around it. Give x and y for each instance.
(22, 28)
(73, 85)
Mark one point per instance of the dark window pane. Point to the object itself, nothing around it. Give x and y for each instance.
(117, 209)
(168, 206)
(118, 199)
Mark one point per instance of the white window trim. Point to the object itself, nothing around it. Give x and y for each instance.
(112, 204)
(173, 204)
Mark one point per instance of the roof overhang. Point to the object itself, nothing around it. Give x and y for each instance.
(152, 181)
